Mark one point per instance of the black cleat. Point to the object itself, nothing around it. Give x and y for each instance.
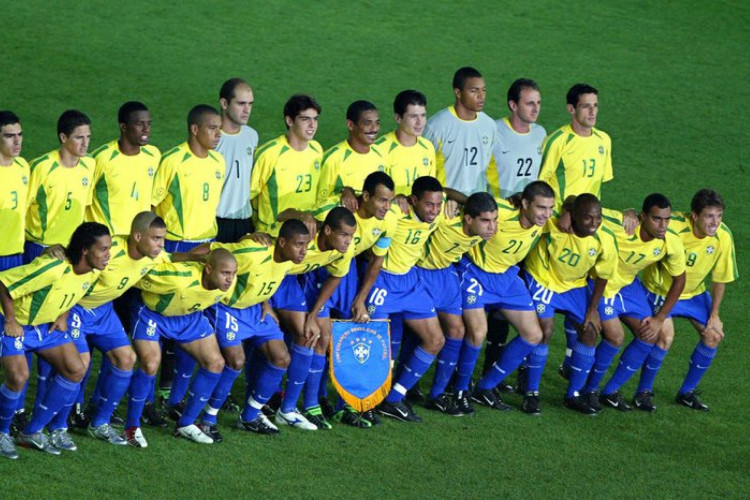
(487, 397)
(580, 404)
(174, 412)
(522, 377)
(445, 404)
(691, 400)
(504, 387)
(328, 410)
(78, 419)
(399, 411)
(351, 417)
(592, 398)
(17, 425)
(563, 371)
(615, 400)
(531, 404)
(463, 403)
(644, 401)
(116, 420)
(153, 417)
(372, 416)
(211, 430)
(415, 394)
(231, 405)
(261, 425)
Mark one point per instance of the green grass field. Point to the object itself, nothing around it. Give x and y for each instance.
(673, 95)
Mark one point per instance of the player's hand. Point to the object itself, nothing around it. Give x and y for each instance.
(60, 324)
(56, 251)
(402, 202)
(564, 223)
(450, 209)
(311, 330)
(629, 221)
(311, 224)
(13, 328)
(349, 199)
(267, 310)
(593, 321)
(650, 328)
(262, 238)
(359, 312)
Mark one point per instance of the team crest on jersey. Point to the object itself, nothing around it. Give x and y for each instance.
(144, 271)
(376, 231)
(85, 181)
(75, 333)
(471, 299)
(592, 252)
(533, 235)
(18, 343)
(160, 192)
(539, 150)
(249, 151)
(361, 350)
(316, 165)
(601, 150)
(609, 311)
(540, 308)
(231, 336)
(371, 309)
(150, 171)
(85, 286)
(485, 139)
(381, 168)
(657, 252)
(710, 250)
(217, 298)
(24, 180)
(218, 174)
(425, 161)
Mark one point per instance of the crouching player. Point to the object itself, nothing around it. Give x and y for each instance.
(709, 251)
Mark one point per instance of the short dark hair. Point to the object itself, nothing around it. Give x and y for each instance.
(127, 109)
(70, 119)
(376, 179)
(463, 74)
(84, 237)
(655, 200)
(228, 88)
(537, 188)
(583, 201)
(8, 118)
(291, 228)
(355, 109)
(298, 103)
(198, 114)
(424, 184)
(339, 216)
(514, 91)
(577, 90)
(478, 203)
(405, 98)
(706, 198)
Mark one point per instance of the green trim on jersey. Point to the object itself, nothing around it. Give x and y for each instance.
(41, 200)
(37, 301)
(560, 174)
(347, 154)
(164, 301)
(614, 238)
(263, 149)
(552, 139)
(102, 195)
(33, 275)
(170, 153)
(186, 157)
(329, 153)
(182, 274)
(272, 186)
(267, 259)
(146, 151)
(174, 190)
(239, 288)
(249, 250)
(99, 150)
(284, 149)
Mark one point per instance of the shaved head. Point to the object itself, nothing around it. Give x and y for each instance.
(221, 256)
(146, 220)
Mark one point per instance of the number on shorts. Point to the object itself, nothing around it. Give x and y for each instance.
(378, 296)
(475, 288)
(231, 323)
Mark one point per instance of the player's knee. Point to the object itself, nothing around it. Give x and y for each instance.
(456, 331)
(712, 338)
(533, 335)
(214, 364)
(546, 335)
(75, 371)
(434, 343)
(587, 337)
(125, 360)
(281, 359)
(16, 379)
(235, 362)
(150, 365)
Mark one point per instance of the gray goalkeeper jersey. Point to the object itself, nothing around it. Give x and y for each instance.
(238, 150)
(518, 157)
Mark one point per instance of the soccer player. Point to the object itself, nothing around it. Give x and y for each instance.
(237, 144)
(556, 274)
(173, 298)
(34, 299)
(188, 183)
(410, 156)
(625, 298)
(15, 174)
(124, 173)
(454, 237)
(489, 277)
(348, 163)
(463, 137)
(60, 186)
(709, 252)
(286, 171)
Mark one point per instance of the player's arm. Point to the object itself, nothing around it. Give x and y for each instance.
(311, 329)
(162, 178)
(591, 320)
(717, 295)
(61, 323)
(359, 309)
(12, 327)
(456, 196)
(551, 155)
(267, 310)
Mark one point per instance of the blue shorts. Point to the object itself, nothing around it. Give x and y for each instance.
(99, 326)
(573, 302)
(172, 246)
(400, 293)
(289, 296)
(481, 289)
(11, 261)
(697, 308)
(631, 301)
(34, 339)
(232, 326)
(444, 287)
(31, 251)
(342, 298)
(150, 325)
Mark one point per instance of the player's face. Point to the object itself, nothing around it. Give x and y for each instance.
(708, 221)
(587, 223)
(97, 255)
(77, 143)
(539, 210)
(222, 275)
(528, 106)
(208, 133)
(340, 238)
(413, 120)
(656, 222)
(473, 94)
(483, 225)
(585, 111)
(428, 207)
(138, 129)
(367, 127)
(11, 139)
(304, 125)
(151, 243)
(239, 108)
(295, 248)
(378, 204)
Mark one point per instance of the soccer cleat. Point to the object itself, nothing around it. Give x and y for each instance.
(463, 403)
(116, 420)
(273, 404)
(371, 416)
(153, 417)
(211, 430)
(615, 400)
(644, 401)
(20, 419)
(691, 400)
(531, 404)
(231, 405)
(60, 439)
(522, 377)
(580, 404)
(174, 412)
(504, 387)
(315, 416)
(592, 398)
(399, 411)
(261, 425)
(328, 410)
(193, 433)
(487, 397)
(105, 432)
(78, 418)
(38, 441)
(134, 437)
(7, 449)
(563, 371)
(295, 419)
(445, 404)
(415, 394)
(349, 416)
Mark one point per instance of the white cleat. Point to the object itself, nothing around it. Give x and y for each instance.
(295, 419)
(193, 433)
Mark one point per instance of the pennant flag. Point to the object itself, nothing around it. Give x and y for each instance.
(361, 362)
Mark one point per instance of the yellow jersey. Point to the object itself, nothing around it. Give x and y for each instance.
(447, 244)
(13, 204)
(336, 262)
(408, 240)
(407, 163)
(374, 234)
(176, 289)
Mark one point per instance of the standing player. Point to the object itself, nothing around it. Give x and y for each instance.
(15, 174)
(709, 251)
(348, 163)
(34, 300)
(410, 156)
(237, 144)
(463, 137)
